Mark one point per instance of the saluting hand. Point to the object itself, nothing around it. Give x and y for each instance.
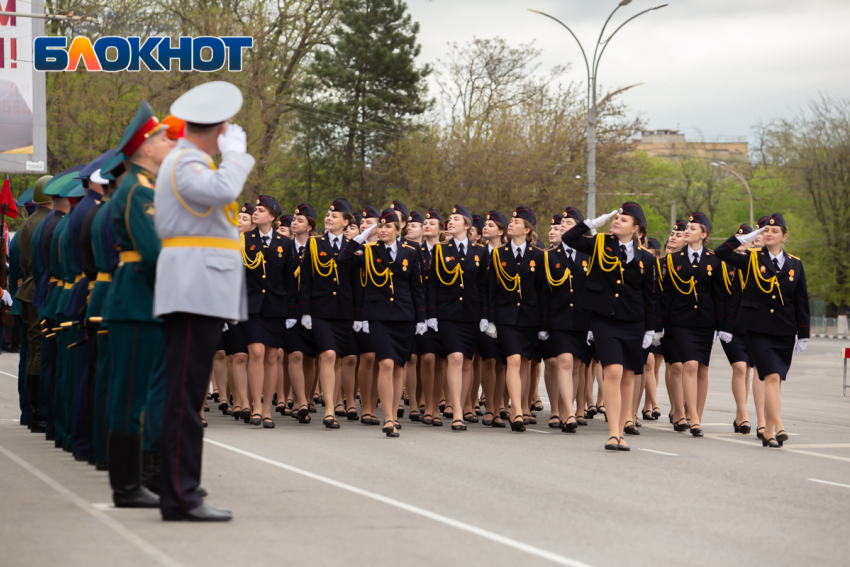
(599, 221)
(361, 238)
(233, 140)
(751, 237)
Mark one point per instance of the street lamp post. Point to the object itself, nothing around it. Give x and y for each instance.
(726, 167)
(592, 69)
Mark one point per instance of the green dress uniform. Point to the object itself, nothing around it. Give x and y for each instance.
(26, 293)
(16, 276)
(135, 335)
(47, 311)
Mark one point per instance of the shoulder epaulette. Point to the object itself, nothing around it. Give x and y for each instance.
(676, 250)
(709, 252)
(479, 245)
(318, 236)
(371, 243)
(406, 245)
(790, 256)
(541, 249)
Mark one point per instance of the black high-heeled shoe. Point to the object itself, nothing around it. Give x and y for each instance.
(414, 415)
(736, 426)
(255, 419)
(781, 437)
(436, 421)
(555, 424)
(460, 427)
(759, 433)
(397, 424)
(487, 422)
(214, 396)
(646, 415)
(442, 406)
(537, 406)
(623, 447)
(400, 412)
(449, 412)
(330, 422)
(365, 419)
(670, 416)
(470, 417)
(222, 407)
(580, 420)
(204, 421)
(656, 413)
(389, 430)
(503, 414)
(499, 424)
(268, 423)
(696, 430)
(236, 412)
(339, 413)
(591, 411)
(681, 425)
(613, 446)
(206, 408)
(351, 414)
(568, 427)
(631, 429)
(771, 443)
(427, 419)
(245, 415)
(518, 425)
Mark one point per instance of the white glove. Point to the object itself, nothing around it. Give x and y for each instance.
(224, 327)
(491, 331)
(307, 322)
(751, 237)
(290, 323)
(366, 327)
(432, 323)
(361, 238)
(357, 326)
(714, 340)
(647, 339)
(725, 337)
(421, 328)
(656, 338)
(801, 345)
(233, 140)
(599, 221)
(589, 336)
(483, 325)
(543, 335)
(7, 298)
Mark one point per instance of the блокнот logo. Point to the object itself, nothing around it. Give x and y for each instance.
(113, 54)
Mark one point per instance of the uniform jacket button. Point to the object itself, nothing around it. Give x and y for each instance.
(618, 281)
(771, 310)
(517, 304)
(334, 293)
(391, 299)
(616, 295)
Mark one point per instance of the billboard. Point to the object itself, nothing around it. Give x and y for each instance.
(23, 128)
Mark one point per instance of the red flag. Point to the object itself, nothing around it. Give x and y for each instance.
(7, 201)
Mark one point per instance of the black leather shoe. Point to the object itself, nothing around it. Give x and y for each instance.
(38, 426)
(81, 457)
(569, 427)
(140, 497)
(631, 429)
(201, 491)
(203, 513)
(101, 467)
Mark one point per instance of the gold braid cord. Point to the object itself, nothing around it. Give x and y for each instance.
(774, 281)
(660, 275)
(674, 276)
(552, 281)
(503, 276)
(258, 259)
(606, 262)
(318, 265)
(231, 211)
(372, 272)
(457, 271)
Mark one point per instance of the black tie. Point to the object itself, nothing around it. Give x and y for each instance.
(519, 253)
(427, 254)
(696, 258)
(776, 264)
(460, 247)
(623, 255)
(335, 246)
(300, 252)
(266, 241)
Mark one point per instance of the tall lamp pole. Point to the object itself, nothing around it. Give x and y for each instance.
(726, 167)
(592, 69)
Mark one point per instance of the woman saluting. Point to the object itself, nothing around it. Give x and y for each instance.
(514, 292)
(694, 311)
(457, 304)
(619, 294)
(391, 307)
(774, 311)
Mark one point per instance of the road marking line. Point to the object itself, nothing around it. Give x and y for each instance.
(822, 446)
(537, 431)
(659, 452)
(109, 522)
(830, 483)
(486, 534)
(7, 374)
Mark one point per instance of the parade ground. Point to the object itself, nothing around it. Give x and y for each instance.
(303, 494)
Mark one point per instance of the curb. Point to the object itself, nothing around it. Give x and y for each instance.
(832, 336)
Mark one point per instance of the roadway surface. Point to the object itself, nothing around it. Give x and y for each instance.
(302, 494)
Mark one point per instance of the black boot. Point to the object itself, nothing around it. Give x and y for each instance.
(151, 469)
(125, 472)
(37, 422)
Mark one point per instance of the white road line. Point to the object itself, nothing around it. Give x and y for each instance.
(537, 431)
(109, 522)
(7, 374)
(830, 483)
(486, 534)
(659, 452)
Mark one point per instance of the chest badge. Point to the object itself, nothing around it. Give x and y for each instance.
(708, 268)
(404, 264)
(253, 247)
(790, 275)
(532, 264)
(584, 265)
(762, 269)
(641, 266)
(280, 251)
(323, 253)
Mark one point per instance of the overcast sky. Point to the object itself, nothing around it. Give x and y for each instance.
(710, 66)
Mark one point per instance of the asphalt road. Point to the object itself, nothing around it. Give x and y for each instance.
(307, 495)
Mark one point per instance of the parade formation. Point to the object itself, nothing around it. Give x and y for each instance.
(145, 288)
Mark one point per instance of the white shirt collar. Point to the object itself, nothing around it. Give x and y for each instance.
(464, 242)
(567, 249)
(521, 248)
(691, 252)
(780, 258)
(269, 233)
(394, 247)
(333, 238)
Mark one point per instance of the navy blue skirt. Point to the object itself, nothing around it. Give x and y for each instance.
(770, 354)
(234, 340)
(332, 334)
(561, 342)
(266, 331)
(692, 344)
(299, 339)
(670, 350)
(490, 348)
(459, 336)
(392, 340)
(736, 349)
(618, 342)
(430, 343)
(518, 340)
